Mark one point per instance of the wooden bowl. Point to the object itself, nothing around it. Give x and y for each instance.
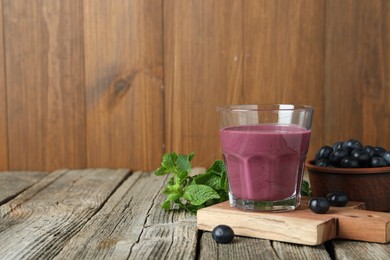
(368, 185)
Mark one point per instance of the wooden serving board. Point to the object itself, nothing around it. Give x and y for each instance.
(301, 226)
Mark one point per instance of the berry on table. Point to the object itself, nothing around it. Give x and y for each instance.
(337, 199)
(223, 234)
(319, 205)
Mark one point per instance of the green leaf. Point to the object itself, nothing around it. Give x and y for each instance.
(183, 163)
(190, 156)
(168, 161)
(218, 167)
(225, 182)
(192, 193)
(161, 171)
(173, 196)
(209, 179)
(174, 188)
(305, 189)
(197, 194)
(166, 205)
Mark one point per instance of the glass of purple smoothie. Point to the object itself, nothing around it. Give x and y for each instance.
(264, 148)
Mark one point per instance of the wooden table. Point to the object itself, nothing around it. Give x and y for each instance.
(116, 214)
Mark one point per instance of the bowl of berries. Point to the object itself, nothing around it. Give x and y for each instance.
(361, 172)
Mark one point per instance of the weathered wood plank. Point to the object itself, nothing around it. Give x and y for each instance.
(40, 221)
(167, 234)
(345, 249)
(284, 56)
(123, 70)
(99, 214)
(132, 224)
(294, 251)
(118, 225)
(203, 50)
(3, 99)
(44, 78)
(13, 183)
(357, 71)
(240, 248)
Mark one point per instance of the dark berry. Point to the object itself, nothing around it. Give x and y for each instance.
(379, 151)
(337, 145)
(336, 156)
(370, 150)
(352, 144)
(378, 162)
(337, 199)
(349, 162)
(319, 205)
(323, 163)
(362, 156)
(386, 156)
(223, 234)
(323, 153)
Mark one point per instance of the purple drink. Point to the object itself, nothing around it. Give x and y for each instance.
(265, 162)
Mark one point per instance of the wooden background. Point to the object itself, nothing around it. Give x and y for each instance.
(117, 83)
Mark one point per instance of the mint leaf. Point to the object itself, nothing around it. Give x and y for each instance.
(171, 197)
(161, 171)
(167, 164)
(197, 194)
(168, 161)
(183, 165)
(192, 193)
(209, 179)
(305, 189)
(218, 167)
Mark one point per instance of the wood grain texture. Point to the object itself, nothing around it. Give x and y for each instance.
(293, 251)
(40, 221)
(301, 226)
(240, 248)
(118, 83)
(251, 248)
(110, 214)
(123, 70)
(3, 103)
(124, 228)
(358, 250)
(167, 234)
(113, 231)
(357, 71)
(284, 56)
(44, 79)
(13, 183)
(203, 69)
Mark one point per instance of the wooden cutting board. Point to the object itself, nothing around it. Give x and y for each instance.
(301, 226)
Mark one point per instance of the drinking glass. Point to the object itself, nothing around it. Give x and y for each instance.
(264, 149)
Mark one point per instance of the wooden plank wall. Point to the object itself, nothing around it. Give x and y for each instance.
(118, 83)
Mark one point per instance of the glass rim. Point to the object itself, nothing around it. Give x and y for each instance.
(264, 107)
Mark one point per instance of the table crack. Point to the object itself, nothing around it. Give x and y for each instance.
(146, 218)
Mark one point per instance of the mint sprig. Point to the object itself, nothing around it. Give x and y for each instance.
(305, 189)
(192, 192)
